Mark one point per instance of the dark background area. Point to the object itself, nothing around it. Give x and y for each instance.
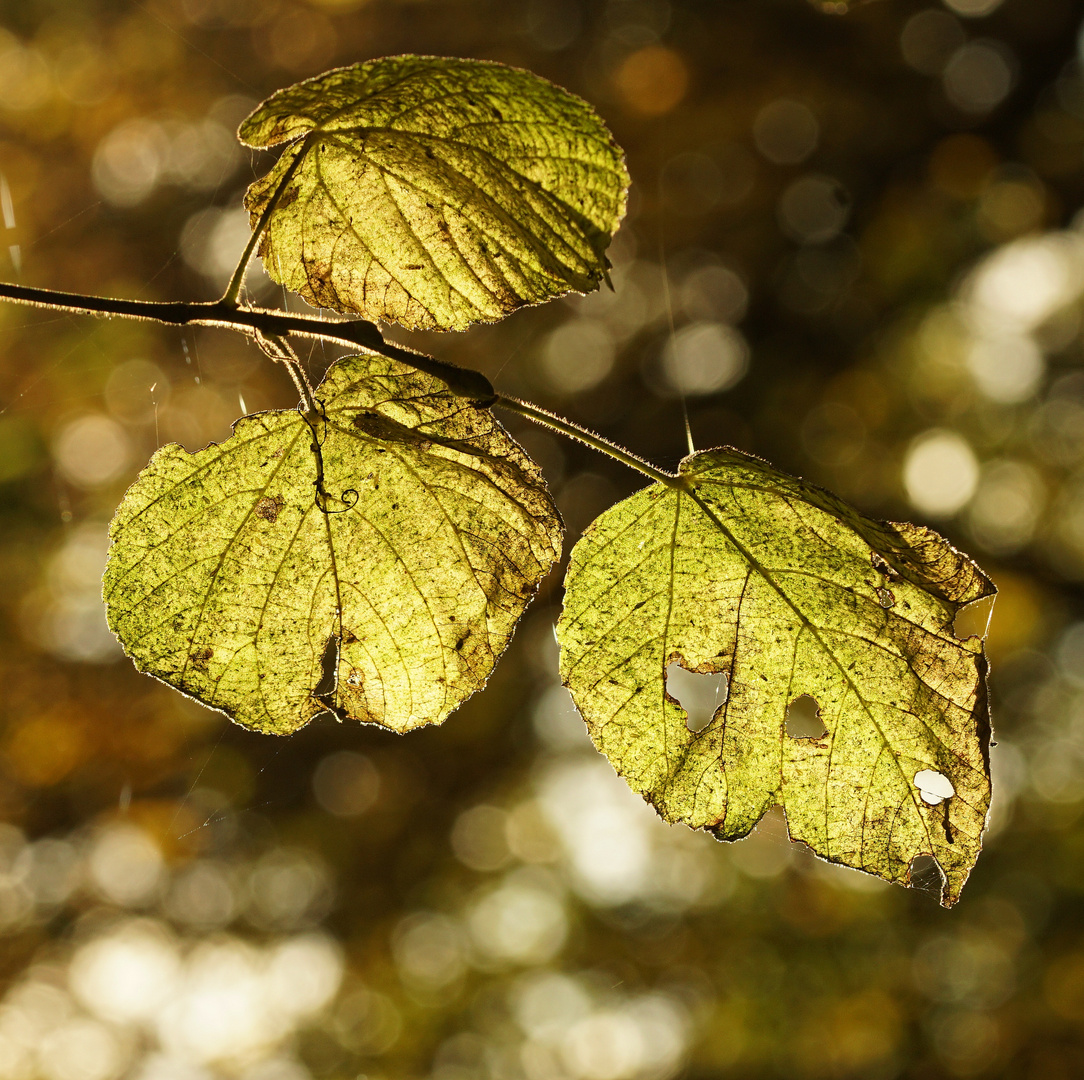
(853, 244)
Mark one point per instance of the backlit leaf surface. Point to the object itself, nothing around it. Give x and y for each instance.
(435, 193)
(228, 581)
(789, 592)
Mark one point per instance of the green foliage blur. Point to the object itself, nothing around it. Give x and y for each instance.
(854, 247)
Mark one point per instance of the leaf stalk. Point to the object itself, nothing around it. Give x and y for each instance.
(230, 297)
(589, 438)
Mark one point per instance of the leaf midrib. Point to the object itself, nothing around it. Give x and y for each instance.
(767, 577)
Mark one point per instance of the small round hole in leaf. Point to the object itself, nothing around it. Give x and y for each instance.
(934, 787)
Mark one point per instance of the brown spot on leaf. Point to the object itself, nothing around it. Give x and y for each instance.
(269, 507)
(200, 657)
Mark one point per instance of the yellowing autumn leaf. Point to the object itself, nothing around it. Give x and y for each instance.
(235, 577)
(434, 193)
(790, 594)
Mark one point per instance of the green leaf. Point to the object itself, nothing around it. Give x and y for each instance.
(229, 573)
(434, 193)
(740, 569)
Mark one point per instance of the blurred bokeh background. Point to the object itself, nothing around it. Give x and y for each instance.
(855, 246)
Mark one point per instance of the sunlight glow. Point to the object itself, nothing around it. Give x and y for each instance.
(940, 472)
(578, 355)
(705, 358)
(522, 921)
(1021, 285)
(127, 975)
(125, 865)
(92, 451)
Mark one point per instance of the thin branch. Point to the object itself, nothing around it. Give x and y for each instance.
(596, 442)
(355, 333)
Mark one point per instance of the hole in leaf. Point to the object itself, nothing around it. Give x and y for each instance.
(926, 874)
(804, 719)
(886, 598)
(934, 787)
(329, 669)
(698, 693)
(973, 620)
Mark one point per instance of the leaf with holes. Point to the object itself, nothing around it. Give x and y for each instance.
(388, 549)
(742, 570)
(434, 193)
